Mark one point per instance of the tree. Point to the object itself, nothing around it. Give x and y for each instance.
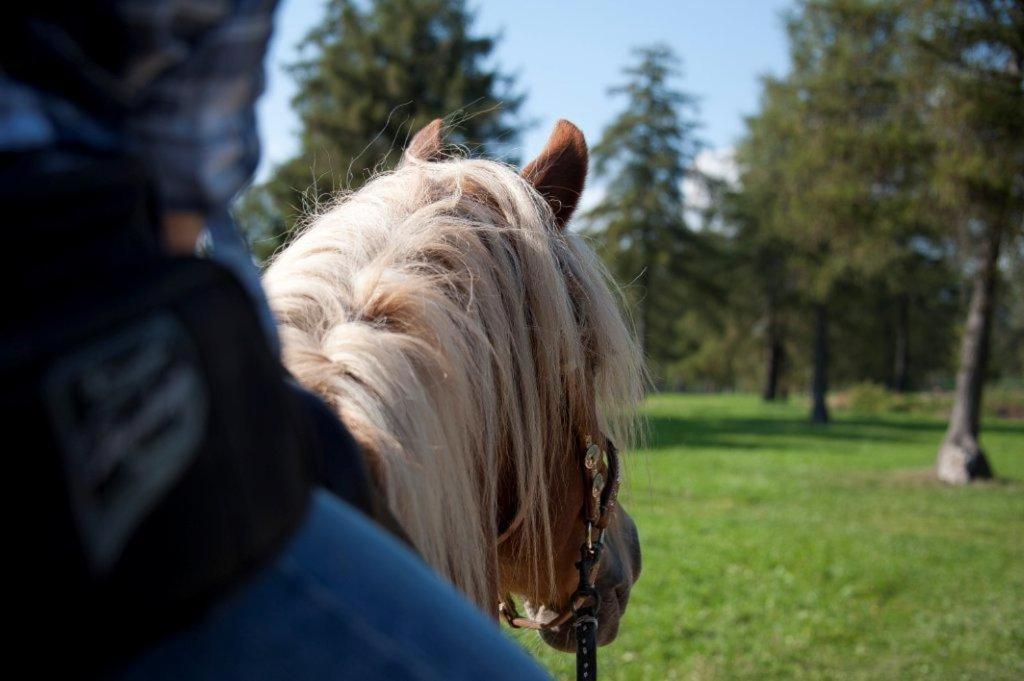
(759, 260)
(371, 74)
(644, 155)
(783, 168)
(973, 51)
(832, 161)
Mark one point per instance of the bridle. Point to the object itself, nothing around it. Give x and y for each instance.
(597, 512)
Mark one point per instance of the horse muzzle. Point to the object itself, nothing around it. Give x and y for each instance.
(620, 569)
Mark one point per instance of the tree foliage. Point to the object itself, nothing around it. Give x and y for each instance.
(370, 76)
(643, 157)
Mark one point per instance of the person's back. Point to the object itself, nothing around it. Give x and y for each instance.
(180, 533)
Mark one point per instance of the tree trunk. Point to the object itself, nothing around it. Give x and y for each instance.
(774, 356)
(960, 457)
(819, 382)
(901, 356)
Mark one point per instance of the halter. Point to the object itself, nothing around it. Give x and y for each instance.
(597, 512)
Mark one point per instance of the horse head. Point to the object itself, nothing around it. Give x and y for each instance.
(476, 349)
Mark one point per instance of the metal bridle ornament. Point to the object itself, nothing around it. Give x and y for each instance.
(603, 490)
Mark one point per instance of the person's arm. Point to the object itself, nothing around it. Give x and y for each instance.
(193, 118)
(193, 121)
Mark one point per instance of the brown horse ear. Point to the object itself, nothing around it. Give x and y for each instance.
(428, 143)
(561, 170)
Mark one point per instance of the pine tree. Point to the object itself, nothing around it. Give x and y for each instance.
(643, 157)
(371, 74)
(972, 53)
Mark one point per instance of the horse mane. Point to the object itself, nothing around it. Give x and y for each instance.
(458, 333)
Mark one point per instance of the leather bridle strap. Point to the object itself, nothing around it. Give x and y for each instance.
(603, 490)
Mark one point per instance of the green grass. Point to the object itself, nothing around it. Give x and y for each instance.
(777, 549)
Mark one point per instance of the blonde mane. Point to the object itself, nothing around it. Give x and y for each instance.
(459, 335)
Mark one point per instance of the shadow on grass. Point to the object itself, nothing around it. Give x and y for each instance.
(925, 477)
(761, 433)
(929, 426)
(748, 434)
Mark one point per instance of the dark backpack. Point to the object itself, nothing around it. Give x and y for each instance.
(164, 452)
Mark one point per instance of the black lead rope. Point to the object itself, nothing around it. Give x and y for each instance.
(585, 617)
(586, 648)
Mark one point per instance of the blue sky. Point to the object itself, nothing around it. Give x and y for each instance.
(567, 53)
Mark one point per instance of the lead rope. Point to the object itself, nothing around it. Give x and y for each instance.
(584, 619)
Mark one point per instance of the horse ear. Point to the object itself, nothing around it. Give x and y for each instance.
(428, 143)
(561, 170)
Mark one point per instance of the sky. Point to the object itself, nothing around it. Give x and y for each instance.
(565, 55)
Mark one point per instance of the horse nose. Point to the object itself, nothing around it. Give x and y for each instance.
(634, 549)
(627, 544)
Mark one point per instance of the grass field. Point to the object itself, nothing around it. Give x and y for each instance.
(774, 549)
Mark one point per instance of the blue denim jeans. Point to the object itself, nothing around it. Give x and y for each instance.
(343, 601)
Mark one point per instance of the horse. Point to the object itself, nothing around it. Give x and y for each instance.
(475, 348)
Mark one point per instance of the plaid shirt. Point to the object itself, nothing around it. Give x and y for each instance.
(187, 87)
(190, 82)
